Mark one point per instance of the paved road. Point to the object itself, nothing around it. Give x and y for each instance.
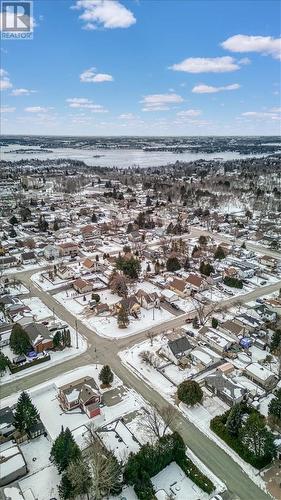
(214, 457)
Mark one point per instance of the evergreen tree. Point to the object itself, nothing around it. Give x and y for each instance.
(75, 481)
(255, 436)
(219, 253)
(123, 318)
(56, 225)
(206, 268)
(64, 450)
(275, 341)
(42, 224)
(234, 420)
(189, 392)
(65, 488)
(4, 362)
(106, 375)
(173, 264)
(131, 267)
(57, 340)
(94, 217)
(215, 323)
(26, 414)
(274, 407)
(12, 233)
(19, 340)
(186, 265)
(13, 220)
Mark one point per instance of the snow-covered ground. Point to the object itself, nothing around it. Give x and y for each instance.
(106, 326)
(200, 415)
(56, 357)
(38, 310)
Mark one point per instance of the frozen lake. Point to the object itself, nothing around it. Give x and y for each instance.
(116, 157)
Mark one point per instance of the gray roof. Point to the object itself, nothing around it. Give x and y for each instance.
(33, 330)
(179, 346)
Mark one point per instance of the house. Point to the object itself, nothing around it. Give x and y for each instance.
(39, 336)
(93, 265)
(68, 249)
(266, 314)
(64, 272)
(231, 328)
(6, 422)
(12, 465)
(260, 375)
(223, 387)
(51, 252)
(130, 303)
(196, 283)
(180, 287)
(168, 295)
(28, 258)
(82, 286)
(148, 300)
(9, 261)
(274, 305)
(268, 262)
(250, 322)
(218, 341)
(177, 350)
(83, 394)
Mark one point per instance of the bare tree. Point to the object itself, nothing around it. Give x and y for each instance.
(158, 420)
(105, 470)
(205, 311)
(150, 335)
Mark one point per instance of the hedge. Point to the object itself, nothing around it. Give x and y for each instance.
(151, 459)
(217, 425)
(18, 368)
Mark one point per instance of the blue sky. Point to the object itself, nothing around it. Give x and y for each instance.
(145, 67)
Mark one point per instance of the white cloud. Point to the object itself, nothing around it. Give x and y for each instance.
(19, 92)
(271, 114)
(82, 103)
(160, 102)
(265, 45)
(189, 112)
(90, 76)
(36, 109)
(7, 109)
(4, 80)
(104, 13)
(127, 116)
(206, 65)
(209, 89)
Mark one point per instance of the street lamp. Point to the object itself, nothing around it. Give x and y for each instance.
(76, 332)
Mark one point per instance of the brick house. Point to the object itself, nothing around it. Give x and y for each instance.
(83, 394)
(39, 336)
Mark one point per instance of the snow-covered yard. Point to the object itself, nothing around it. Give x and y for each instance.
(38, 310)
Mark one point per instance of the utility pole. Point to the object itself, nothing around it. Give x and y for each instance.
(96, 358)
(76, 333)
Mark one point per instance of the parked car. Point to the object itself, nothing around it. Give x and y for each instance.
(189, 320)
(263, 282)
(175, 306)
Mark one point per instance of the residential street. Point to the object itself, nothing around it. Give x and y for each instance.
(106, 351)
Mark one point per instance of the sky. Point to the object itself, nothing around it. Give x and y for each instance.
(144, 67)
